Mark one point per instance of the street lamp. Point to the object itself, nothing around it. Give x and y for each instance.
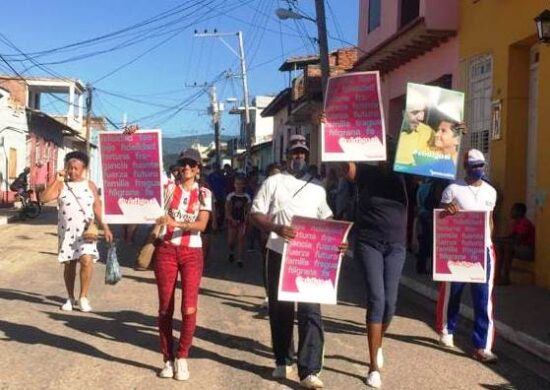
(320, 21)
(543, 26)
(285, 14)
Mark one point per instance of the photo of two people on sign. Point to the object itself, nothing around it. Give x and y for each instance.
(431, 132)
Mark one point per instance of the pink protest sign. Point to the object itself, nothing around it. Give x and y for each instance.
(132, 172)
(311, 261)
(460, 246)
(353, 129)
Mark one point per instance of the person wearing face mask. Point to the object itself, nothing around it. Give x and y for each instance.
(280, 197)
(470, 194)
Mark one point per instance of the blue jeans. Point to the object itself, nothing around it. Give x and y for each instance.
(382, 263)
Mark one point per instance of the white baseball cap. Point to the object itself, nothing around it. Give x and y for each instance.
(475, 157)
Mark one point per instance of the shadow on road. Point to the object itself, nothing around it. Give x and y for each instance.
(140, 329)
(27, 334)
(18, 295)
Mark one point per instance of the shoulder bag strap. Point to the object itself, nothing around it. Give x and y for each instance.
(76, 198)
(302, 187)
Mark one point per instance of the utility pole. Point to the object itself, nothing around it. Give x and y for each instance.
(324, 59)
(247, 132)
(89, 90)
(214, 110)
(240, 54)
(323, 42)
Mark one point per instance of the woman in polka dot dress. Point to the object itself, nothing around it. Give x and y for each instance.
(78, 203)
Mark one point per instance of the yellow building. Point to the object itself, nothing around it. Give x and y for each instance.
(505, 72)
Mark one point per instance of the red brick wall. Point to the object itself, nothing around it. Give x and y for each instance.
(16, 88)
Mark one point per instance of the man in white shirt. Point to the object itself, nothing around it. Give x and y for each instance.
(280, 197)
(471, 194)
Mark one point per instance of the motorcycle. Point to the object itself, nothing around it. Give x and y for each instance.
(29, 208)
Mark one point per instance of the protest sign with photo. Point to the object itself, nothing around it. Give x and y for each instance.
(132, 173)
(460, 246)
(429, 140)
(353, 129)
(311, 261)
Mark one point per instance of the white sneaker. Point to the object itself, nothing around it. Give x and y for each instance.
(182, 370)
(374, 380)
(380, 358)
(312, 382)
(446, 340)
(68, 305)
(84, 304)
(281, 372)
(168, 370)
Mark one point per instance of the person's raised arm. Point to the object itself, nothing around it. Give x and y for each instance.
(52, 191)
(350, 170)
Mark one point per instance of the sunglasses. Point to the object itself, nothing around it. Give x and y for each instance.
(476, 166)
(190, 163)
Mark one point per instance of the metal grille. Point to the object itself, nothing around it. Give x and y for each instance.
(478, 104)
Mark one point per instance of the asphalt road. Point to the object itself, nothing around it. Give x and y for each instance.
(116, 346)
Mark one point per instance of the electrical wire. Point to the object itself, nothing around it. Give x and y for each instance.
(132, 28)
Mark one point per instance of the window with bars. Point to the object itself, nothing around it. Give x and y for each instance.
(479, 105)
(480, 140)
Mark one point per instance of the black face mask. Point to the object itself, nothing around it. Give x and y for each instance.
(298, 168)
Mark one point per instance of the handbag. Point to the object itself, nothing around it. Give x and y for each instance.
(91, 231)
(144, 260)
(145, 254)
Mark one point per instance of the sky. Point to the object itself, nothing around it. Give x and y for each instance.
(143, 59)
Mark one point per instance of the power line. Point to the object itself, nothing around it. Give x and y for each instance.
(163, 15)
(157, 45)
(335, 21)
(174, 110)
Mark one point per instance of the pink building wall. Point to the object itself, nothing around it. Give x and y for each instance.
(441, 60)
(437, 14)
(427, 68)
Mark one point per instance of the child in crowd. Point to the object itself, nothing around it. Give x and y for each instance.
(237, 207)
(520, 242)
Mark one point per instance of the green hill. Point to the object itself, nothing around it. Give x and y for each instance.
(175, 145)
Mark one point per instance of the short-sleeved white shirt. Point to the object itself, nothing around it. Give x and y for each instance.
(184, 206)
(276, 199)
(471, 198)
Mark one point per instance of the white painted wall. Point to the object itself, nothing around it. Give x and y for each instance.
(263, 127)
(13, 134)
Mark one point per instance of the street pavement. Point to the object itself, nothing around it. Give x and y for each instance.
(116, 346)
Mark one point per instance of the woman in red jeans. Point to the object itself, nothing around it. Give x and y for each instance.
(180, 251)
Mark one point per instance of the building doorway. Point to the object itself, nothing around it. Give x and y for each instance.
(532, 139)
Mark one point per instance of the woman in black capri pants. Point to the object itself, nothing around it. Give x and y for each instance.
(380, 227)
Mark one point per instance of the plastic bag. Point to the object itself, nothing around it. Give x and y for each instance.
(112, 269)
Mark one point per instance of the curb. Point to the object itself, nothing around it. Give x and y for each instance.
(516, 337)
(5, 219)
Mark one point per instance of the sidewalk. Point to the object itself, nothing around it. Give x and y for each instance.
(7, 214)
(522, 313)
